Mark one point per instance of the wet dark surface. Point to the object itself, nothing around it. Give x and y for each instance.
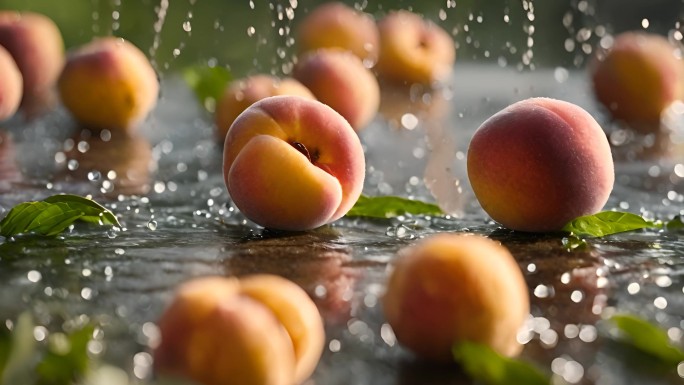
(168, 192)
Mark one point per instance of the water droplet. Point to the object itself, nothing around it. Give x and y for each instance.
(94, 176)
(34, 276)
(335, 345)
(152, 225)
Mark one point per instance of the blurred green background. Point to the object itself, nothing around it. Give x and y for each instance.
(524, 34)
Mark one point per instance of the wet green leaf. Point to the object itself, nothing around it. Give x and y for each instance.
(648, 338)
(391, 206)
(483, 364)
(53, 215)
(207, 82)
(92, 211)
(607, 223)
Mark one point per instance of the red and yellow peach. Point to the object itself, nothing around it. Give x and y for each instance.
(260, 330)
(638, 77)
(340, 80)
(455, 288)
(36, 44)
(414, 50)
(291, 163)
(242, 93)
(540, 163)
(108, 84)
(10, 87)
(336, 25)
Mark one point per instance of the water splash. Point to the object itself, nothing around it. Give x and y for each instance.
(158, 27)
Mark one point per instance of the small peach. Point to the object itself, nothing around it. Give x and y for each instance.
(414, 50)
(242, 93)
(261, 330)
(36, 44)
(540, 163)
(296, 312)
(336, 25)
(10, 86)
(240, 343)
(340, 80)
(638, 77)
(453, 288)
(108, 84)
(291, 163)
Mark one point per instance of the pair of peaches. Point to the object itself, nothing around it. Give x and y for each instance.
(107, 83)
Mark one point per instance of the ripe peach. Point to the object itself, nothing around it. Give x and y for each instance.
(336, 25)
(11, 85)
(292, 163)
(340, 80)
(243, 93)
(260, 330)
(296, 312)
(452, 288)
(108, 84)
(539, 163)
(638, 77)
(414, 50)
(36, 44)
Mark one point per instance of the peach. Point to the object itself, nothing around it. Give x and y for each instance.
(539, 163)
(296, 312)
(340, 80)
(453, 288)
(260, 330)
(291, 163)
(638, 77)
(11, 85)
(36, 44)
(414, 50)
(242, 93)
(108, 84)
(336, 25)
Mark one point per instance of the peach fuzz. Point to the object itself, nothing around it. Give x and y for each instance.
(340, 80)
(638, 77)
(222, 331)
(242, 93)
(336, 25)
(539, 163)
(291, 163)
(108, 84)
(10, 86)
(36, 44)
(453, 288)
(414, 50)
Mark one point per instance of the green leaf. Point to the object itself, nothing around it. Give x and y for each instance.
(5, 348)
(391, 206)
(607, 223)
(208, 83)
(92, 211)
(483, 364)
(67, 357)
(53, 215)
(648, 338)
(20, 217)
(675, 224)
(19, 368)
